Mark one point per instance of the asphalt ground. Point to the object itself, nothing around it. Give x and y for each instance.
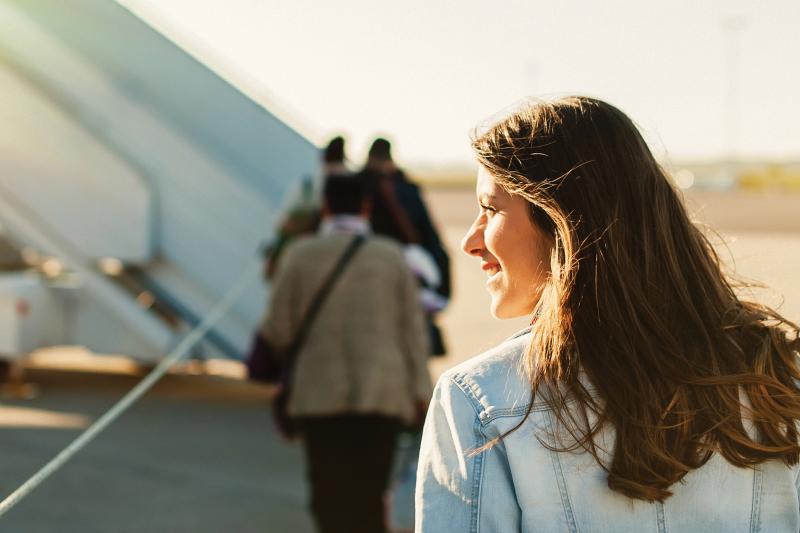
(195, 454)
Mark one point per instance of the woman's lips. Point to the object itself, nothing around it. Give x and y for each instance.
(491, 269)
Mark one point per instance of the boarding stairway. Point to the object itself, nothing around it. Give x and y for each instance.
(118, 145)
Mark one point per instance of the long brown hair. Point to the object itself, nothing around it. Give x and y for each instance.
(638, 301)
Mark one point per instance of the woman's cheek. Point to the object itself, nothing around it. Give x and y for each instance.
(493, 237)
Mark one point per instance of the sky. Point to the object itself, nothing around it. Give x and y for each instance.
(703, 79)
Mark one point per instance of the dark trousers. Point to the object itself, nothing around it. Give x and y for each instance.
(349, 460)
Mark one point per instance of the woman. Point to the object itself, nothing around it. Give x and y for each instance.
(645, 396)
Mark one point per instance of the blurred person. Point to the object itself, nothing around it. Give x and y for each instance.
(334, 158)
(645, 395)
(361, 374)
(303, 215)
(399, 211)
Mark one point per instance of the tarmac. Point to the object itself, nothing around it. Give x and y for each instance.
(198, 453)
(195, 454)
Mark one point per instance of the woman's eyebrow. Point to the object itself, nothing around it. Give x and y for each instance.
(487, 198)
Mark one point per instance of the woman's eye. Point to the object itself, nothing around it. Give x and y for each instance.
(489, 210)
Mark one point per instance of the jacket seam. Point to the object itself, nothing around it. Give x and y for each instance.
(661, 518)
(562, 484)
(480, 411)
(477, 464)
(469, 393)
(477, 482)
(510, 412)
(755, 511)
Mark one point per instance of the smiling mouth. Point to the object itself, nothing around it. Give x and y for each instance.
(491, 269)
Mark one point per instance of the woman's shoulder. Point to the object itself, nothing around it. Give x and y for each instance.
(495, 382)
(509, 352)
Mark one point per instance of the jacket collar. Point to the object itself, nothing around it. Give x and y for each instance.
(348, 224)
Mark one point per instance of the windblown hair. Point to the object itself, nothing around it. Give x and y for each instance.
(637, 304)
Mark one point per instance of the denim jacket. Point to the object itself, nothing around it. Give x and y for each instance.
(520, 485)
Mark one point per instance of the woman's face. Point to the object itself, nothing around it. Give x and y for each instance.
(514, 253)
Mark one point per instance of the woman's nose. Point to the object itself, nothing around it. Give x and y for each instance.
(472, 243)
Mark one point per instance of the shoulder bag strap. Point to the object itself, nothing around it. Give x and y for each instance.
(319, 299)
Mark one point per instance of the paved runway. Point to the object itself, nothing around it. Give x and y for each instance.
(197, 453)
